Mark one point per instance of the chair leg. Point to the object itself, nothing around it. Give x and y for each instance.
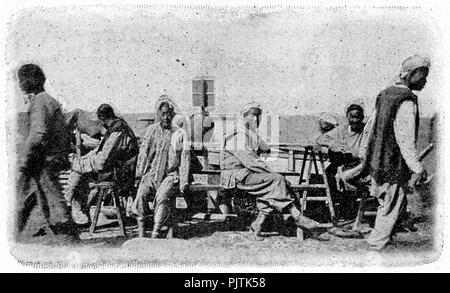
(120, 213)
(361, 208)
(304, 201)
(328, 191)
(170, 232)
(101, 194)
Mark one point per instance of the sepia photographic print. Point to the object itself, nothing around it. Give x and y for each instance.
(211, 135)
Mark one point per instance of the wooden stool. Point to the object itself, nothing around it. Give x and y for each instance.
(310, 154)
(104, 188)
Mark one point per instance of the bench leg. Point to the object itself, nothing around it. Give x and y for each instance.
(361, 209)
(97, 211)
(305, 192)
(170, 232)
(171, 221)
(141, 227)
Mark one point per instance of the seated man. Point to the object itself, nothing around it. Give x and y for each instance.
(343, 143)
(327, 122)
(242, 168)
(112, 160)
(162, 168)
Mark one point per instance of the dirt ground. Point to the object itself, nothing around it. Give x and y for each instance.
(228, 243)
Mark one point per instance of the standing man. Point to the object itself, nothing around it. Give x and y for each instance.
(46, 154)
(114, 159)
(162, 168)
(391, 155)
(242, 168)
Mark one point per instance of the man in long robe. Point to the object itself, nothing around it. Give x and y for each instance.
(162, 169)
(46, 154)
(242, 168)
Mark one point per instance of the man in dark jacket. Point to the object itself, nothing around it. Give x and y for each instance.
(112, 160)
(391, 156)
(46, 154)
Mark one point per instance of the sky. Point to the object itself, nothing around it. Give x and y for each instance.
(291, 61)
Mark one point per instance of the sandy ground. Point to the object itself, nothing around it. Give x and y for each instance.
(227, 243)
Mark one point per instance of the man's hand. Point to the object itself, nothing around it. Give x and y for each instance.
(420, 178)
(183, 189)
(71, 158)
(345, 149)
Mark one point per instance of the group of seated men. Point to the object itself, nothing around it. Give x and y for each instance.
(161, 165)
(346, 145)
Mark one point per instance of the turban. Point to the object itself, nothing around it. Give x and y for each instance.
(412, 63)
(169, 100)
(328, 121)
(251, 105)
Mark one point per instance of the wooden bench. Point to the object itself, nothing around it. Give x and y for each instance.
(310, 155)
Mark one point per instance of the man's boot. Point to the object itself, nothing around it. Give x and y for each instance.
(66, 233)
(309, 226)
(305, 222)
(155, 232)
(302, 221)
(43, 230)
(256, 226)
(78, 215)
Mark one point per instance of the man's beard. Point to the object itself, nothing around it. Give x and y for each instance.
(166, 125)
(357, 127)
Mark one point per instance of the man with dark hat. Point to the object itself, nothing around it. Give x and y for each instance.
(112, 160)
(46, 154)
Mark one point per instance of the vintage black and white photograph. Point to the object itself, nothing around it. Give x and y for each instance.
(188, 135)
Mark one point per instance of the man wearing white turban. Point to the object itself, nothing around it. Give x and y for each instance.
(162, 167)
(390, 155)
(242, 168)
(327, 122)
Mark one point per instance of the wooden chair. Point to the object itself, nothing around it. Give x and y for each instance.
(105, 188)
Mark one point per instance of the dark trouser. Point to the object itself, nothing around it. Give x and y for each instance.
(345, 197)
(45, 191)
(331, 172)
(270, 190)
